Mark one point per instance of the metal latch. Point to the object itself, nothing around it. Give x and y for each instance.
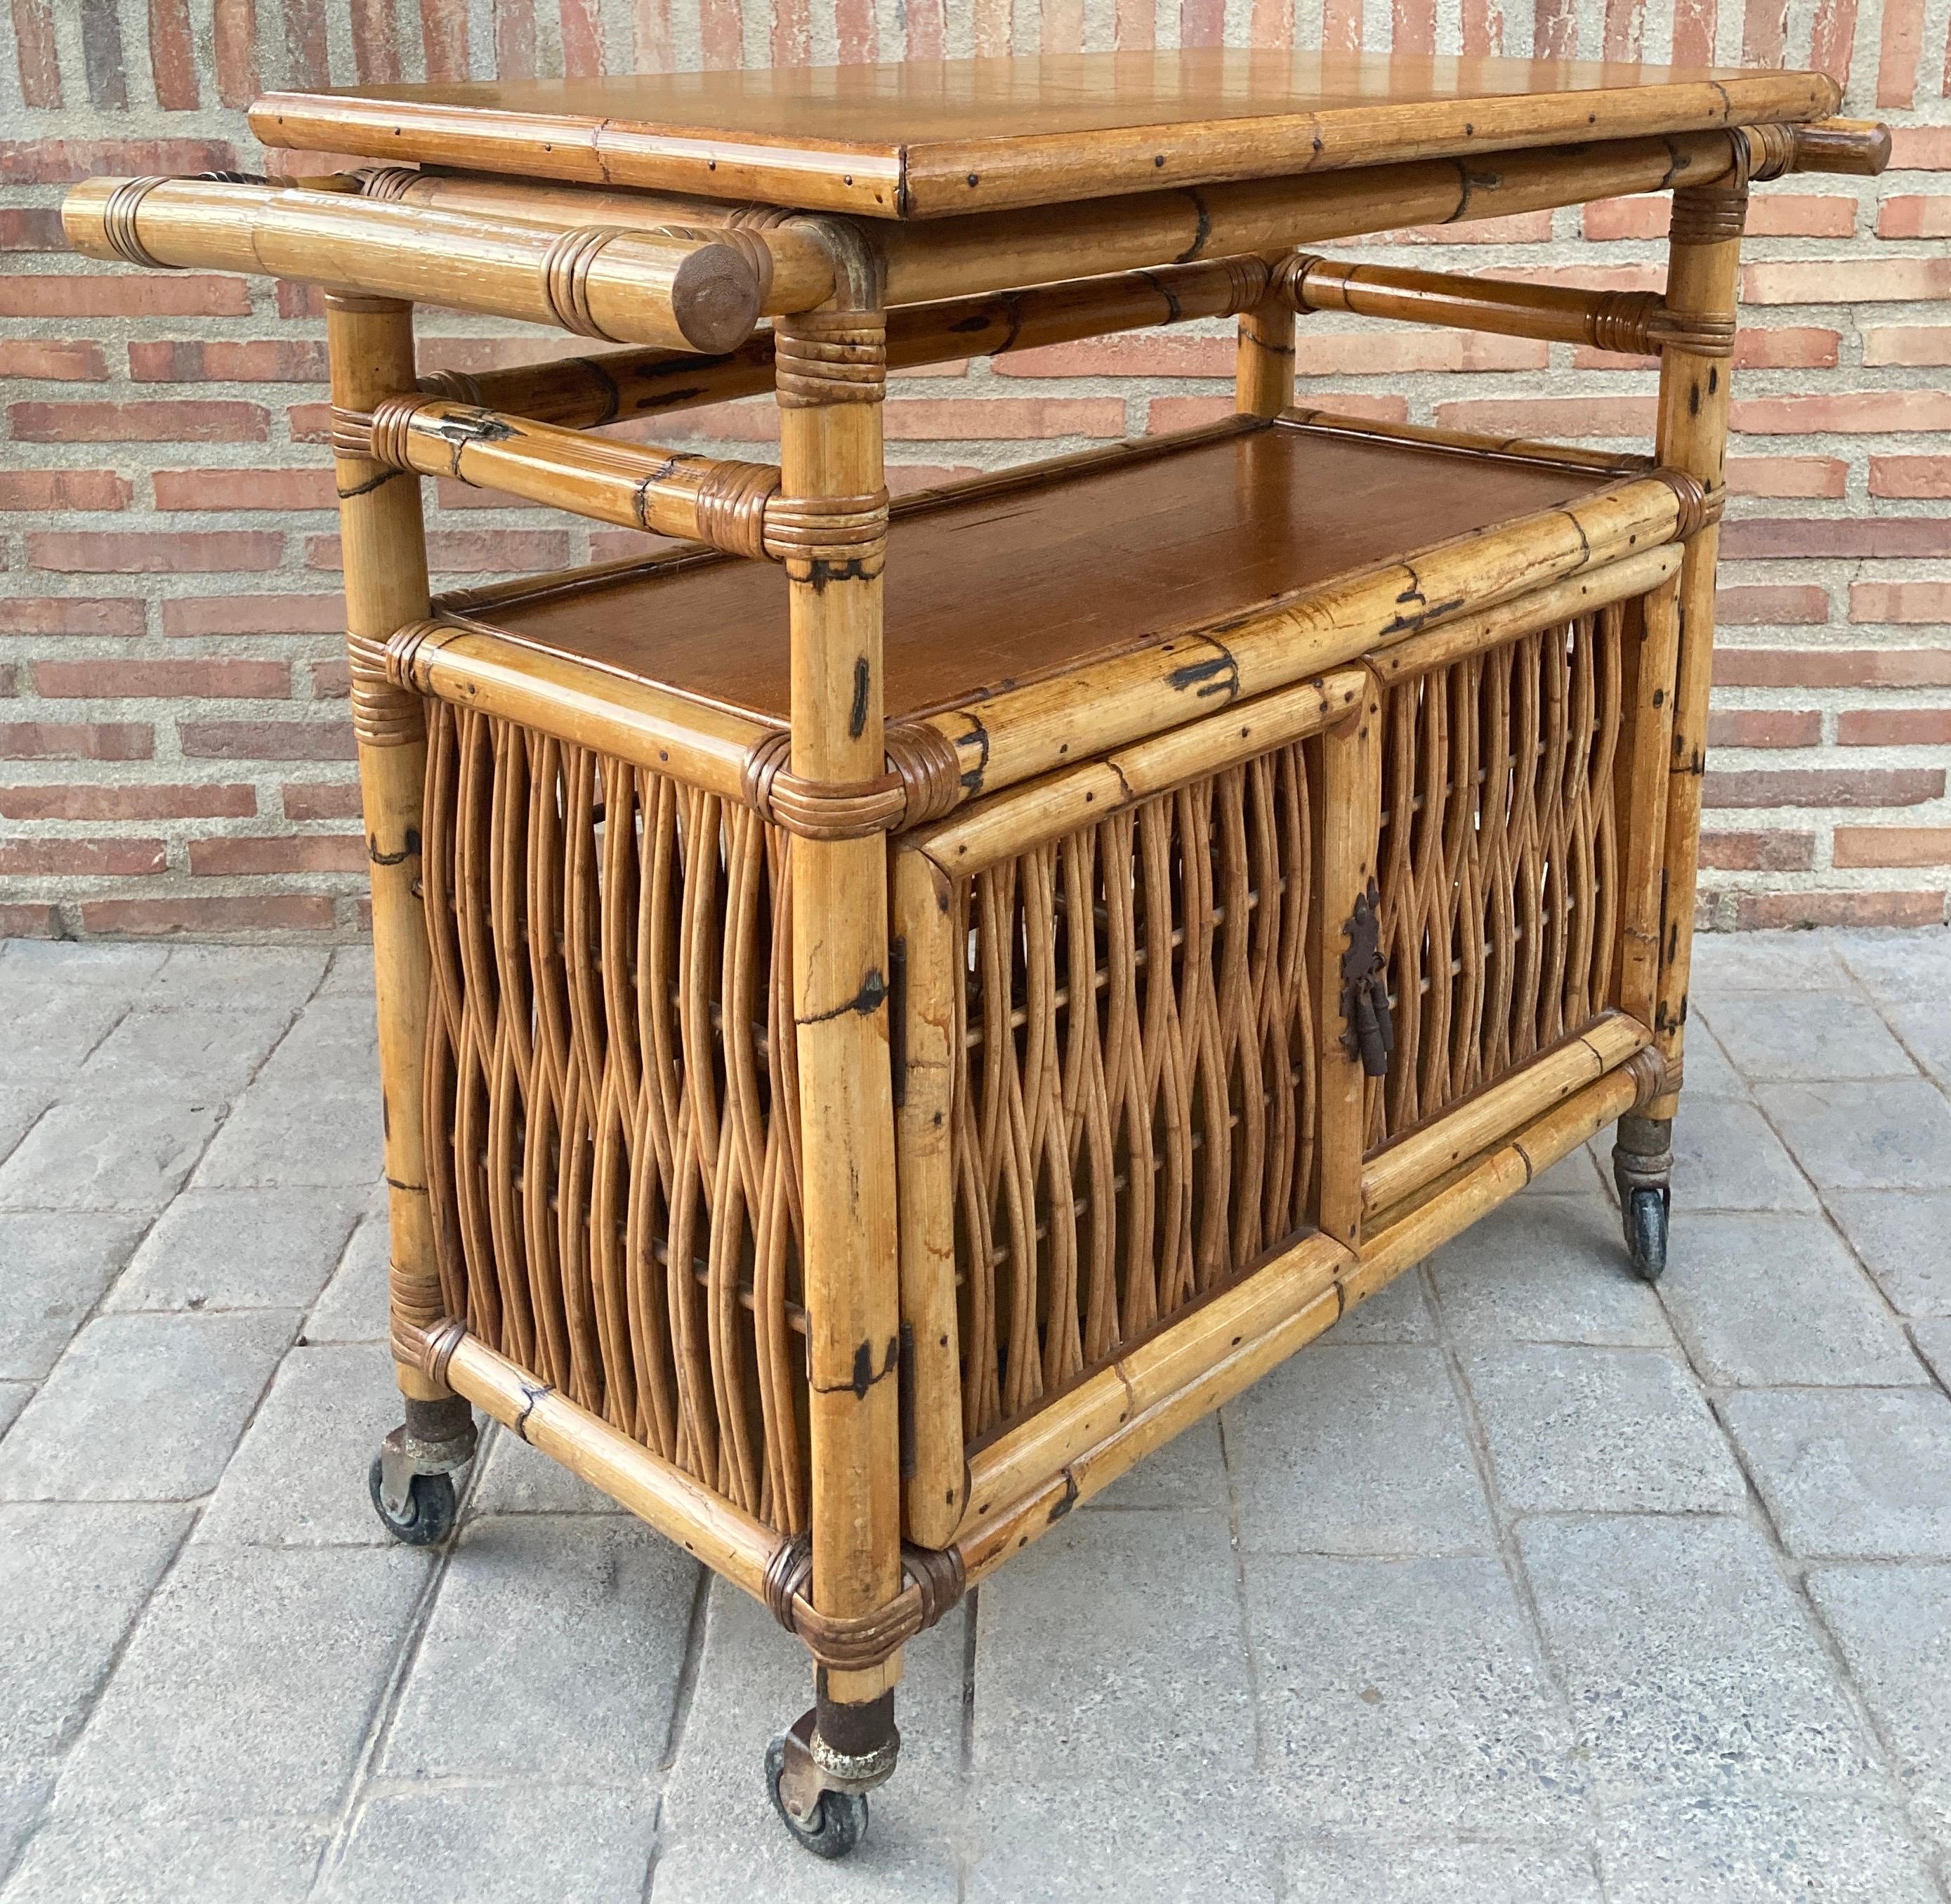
(1365, 989)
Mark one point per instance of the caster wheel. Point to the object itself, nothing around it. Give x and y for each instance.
(429, 1509)
(1645, 1218)
(839, 1820)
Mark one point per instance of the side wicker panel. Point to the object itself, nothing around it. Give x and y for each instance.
(617, 1205)
(1134, 1120)
(1500, 860)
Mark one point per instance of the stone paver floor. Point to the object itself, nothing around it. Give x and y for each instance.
(1528, 1583)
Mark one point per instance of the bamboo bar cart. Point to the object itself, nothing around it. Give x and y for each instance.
(889, 1013)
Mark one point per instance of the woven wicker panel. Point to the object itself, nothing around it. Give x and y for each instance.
(1499, 861)
(1113, 1162)
(617, 1207)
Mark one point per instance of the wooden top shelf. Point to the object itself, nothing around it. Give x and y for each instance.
(929, 138)
(1048, 570)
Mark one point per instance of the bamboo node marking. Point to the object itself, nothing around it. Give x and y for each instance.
(808, 533)
(565, 276)
(118, 223)
(1709, 214)
(734, 501)
(829, 357)
(383, 715)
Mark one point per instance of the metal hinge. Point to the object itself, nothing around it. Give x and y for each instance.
(1370, 1032)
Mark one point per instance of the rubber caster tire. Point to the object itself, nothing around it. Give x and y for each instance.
(839, 1821)
(1645, 1218)
(430, 1501)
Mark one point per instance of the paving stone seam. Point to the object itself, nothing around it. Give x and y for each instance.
(379, 1722)
(1227, 1469)
(1504, 1533)
(682, 1692)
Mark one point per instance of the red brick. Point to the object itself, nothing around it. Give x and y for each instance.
(148, 294)
(1888, 537)
(30, 920)
(1892, 846)
(71, 615)
(326, 800)
(1852, 411)
(64, 489)
(1771, 604)
(1794, 347)
(51, 363)
(128, 802)
(1515, 228)
(244, 489)
(1914, 215)
(67, 161)
(159, 918)
(1922, 477)
(332, 680)
(105, 552)
(319, 614)
(1905, 602)
(1769, 911)
(1921, 148)
(301, 299)
(469, 551)
(1823, 786)
(1764, 727)
(1166, 413)
(267, 740)
(1787, 475)
(1894, 727)
(214, 680)
(77, 858)
(1899, 345)
(292, 852)
(1794, 667)
(1771, 851)
(32, 228)
(1551, 417)
(1846, 281)
(257, 360)
(47, 740)
(1338, 354)
(164, 422)
(1770, 214)
(915, 419)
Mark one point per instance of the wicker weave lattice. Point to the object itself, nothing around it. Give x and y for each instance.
(1112, 1163)
(618, 1207)
(1498, 860)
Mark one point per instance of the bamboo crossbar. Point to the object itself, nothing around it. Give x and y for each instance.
(583, 393)
(1436, 436)
(1421, 1156)
(1633, 323)
(728, 1540)
(683, 288)
(634, 486)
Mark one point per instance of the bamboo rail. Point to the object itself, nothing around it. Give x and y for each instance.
(1640, 790)
(1467, 1129)
(1434, 436)
(662, 492)
(583, 393)
(699, 1519)
(1635, 323)
(685, 288)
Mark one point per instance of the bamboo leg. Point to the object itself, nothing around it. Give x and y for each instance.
(831, 368)
(1263, 372)
(1704, 271)
(371, 343)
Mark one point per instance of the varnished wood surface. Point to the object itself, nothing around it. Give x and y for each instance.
(929, 138)
(996, 591)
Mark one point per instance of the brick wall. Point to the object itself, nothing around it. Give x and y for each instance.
(174, 754)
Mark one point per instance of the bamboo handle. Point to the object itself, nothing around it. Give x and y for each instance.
(682, 287)
(1856, 148)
